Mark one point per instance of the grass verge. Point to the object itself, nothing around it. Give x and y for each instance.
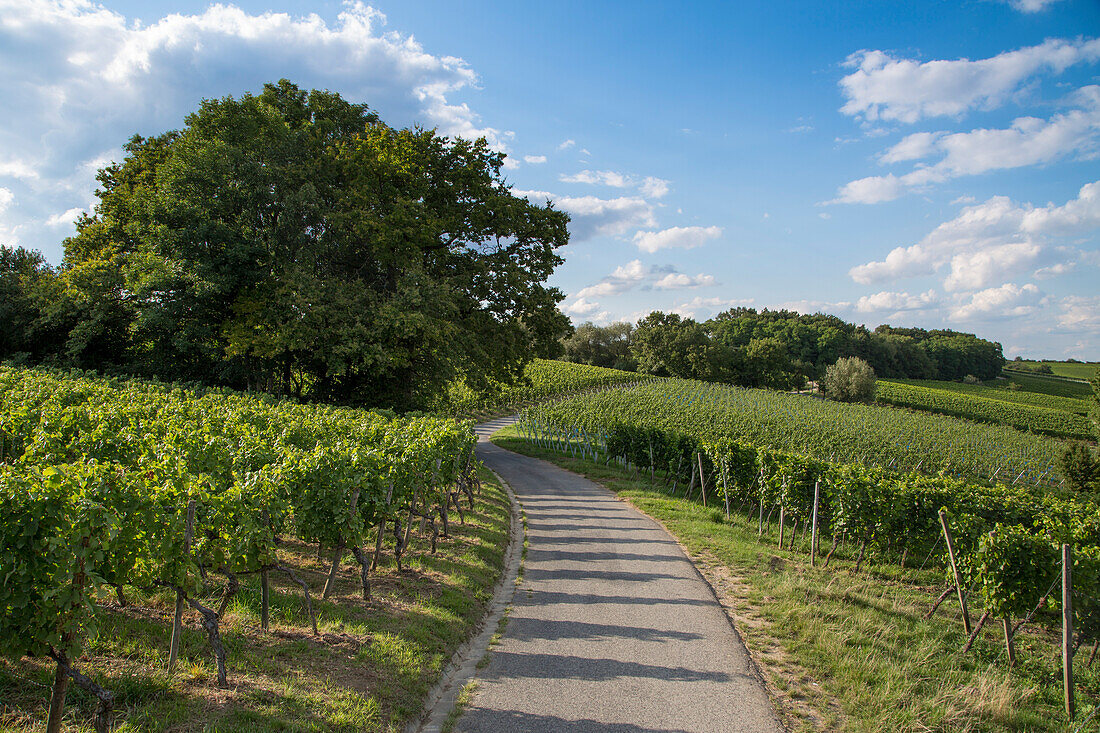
(369, 670)
(851, 651)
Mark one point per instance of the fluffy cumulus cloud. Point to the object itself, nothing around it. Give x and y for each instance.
(650, 186)
(1079, 314)
(1027, 141)
(635, 275)
(534, 159)
(1003, 302)
(883, 87)
(1031, 6)
(891, 302)
(676, 238)
(701, 307)
(994, 240)
(592, 216)
(88, 78)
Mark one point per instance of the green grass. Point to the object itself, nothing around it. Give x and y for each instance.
(369, 671)
(987, 407)
(1072, 370)
(1024, 393)
(850, 651)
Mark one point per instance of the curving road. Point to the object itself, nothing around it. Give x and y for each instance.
(612, 628)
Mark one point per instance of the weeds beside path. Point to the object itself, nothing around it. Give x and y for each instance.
(844, 650)
(370, 669)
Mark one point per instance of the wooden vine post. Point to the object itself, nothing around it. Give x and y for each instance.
(1067, 628)
(813, 530)
(177, 619)
(702, 479)
(265, 589)
(955, 571)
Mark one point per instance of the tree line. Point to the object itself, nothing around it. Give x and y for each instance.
(292, 242)
(779, 349)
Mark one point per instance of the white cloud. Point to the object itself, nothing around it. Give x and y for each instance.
(650, 186)
(678, 280)
(592, 216)
(66, 218)
(634, 275)
(87, 78)
(1080, 314)
(1031, 6)
(1028, 141)
(887, 88)
(599, 178)
(654, 188)
(870, 190)
(992, 240)
(567, 144)
(580, 307)
(6, 197)
(700, 307)
(534, 159)
(1005, 301)
(675, 237)
(17, 169)
(887, 301)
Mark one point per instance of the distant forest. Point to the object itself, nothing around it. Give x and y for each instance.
(780, 349)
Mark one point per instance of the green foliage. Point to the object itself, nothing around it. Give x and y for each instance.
(850, 380)
(294, 243)
(971, 406)
(667, 345)
(1081, 467)
(541, 379)
(96, 477)
(1017, 389)
(602, 346)
(824, 430)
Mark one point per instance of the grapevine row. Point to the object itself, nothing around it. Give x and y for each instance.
(1007, 537)
(105, 485)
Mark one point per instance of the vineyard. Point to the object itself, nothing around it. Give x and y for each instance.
(998, 542)
(866, 434)
(1017, 389)
(1054, 421)
(115, 487)
(542, 379)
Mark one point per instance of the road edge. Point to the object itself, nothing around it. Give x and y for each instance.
(462, 667)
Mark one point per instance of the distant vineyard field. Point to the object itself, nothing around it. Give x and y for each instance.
(1000, 390)
(868, 434)
(1045, 385)
(1048, 418)
(1072, 370)
(543, 378)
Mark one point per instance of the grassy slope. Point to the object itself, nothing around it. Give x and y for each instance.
(848, 651)
(1026, 394)
(924, 396)
(1067, 369)
(370, 670)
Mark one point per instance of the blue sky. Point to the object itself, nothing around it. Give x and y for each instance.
(931, 164)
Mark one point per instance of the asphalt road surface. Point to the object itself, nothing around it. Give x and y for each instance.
(612, 628)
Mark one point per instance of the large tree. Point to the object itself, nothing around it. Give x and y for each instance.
(292, 241)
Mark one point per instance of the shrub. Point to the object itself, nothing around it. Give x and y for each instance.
(850, 380)
(971, 379)
(1080, 467)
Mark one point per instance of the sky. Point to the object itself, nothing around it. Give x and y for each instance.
(932, 164)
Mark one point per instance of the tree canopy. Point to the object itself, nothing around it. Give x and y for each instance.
(291, 241)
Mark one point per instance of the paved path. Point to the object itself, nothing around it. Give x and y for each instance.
(612, 628)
